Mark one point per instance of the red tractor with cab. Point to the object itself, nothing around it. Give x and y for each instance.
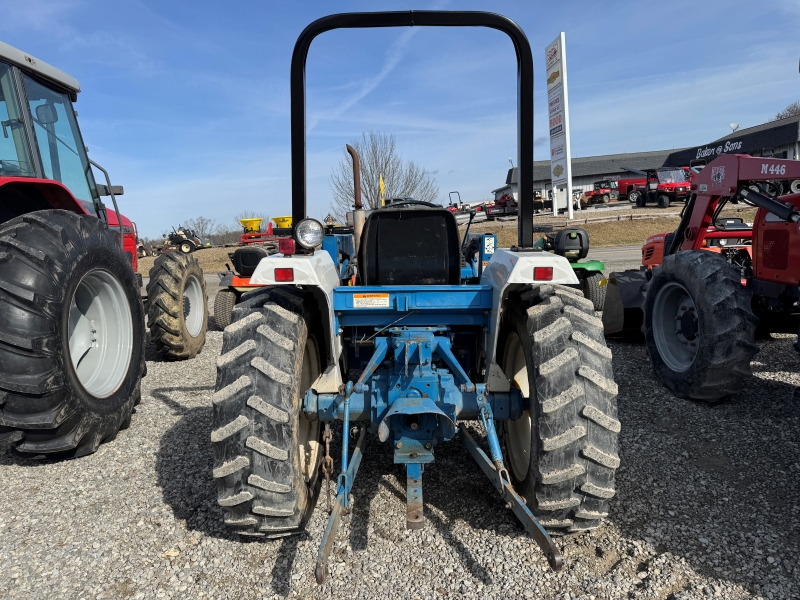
(72, 331)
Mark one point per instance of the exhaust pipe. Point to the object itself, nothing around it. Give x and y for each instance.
(359, 217)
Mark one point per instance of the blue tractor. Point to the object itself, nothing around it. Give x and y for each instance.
(403, 332)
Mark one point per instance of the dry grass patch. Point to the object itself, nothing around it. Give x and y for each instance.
(612, 233)
(212, 260)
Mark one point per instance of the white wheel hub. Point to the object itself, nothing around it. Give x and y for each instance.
(100, 333)
(193, 309)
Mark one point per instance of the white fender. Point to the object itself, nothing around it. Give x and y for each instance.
(310, 270)
(508, 271)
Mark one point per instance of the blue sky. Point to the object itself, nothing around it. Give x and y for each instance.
(187, 103)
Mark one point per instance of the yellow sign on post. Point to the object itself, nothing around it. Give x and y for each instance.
(382, 189)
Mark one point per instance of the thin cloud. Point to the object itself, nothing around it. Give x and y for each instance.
(394, 55)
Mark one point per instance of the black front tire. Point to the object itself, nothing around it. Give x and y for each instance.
(593, 291)
(663, 201)
(705, 354)
(266, 454)
(640, 200)
(223, 307)
(561, 456)
(52, 263)
(177, 306)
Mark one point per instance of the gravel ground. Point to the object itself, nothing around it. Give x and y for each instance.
(707, 506)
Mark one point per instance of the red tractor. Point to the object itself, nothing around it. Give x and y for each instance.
(72, 331)
(706, 290)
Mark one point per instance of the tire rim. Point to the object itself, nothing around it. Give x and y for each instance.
(100, 333)
(676, 328)
(517, 433)
(193, 310)
(308, 431)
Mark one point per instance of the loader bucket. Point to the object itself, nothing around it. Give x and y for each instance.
(622, 311)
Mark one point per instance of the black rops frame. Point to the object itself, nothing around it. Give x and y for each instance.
(423, 18)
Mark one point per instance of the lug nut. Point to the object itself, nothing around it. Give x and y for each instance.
(399, 445)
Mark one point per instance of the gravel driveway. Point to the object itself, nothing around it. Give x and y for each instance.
(707, 506)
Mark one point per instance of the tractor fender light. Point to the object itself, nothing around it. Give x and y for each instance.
(543, 273)
(286, 246)
(284, 274)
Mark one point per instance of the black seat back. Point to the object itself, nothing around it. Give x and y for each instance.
(572, 243)
(245, 260)
(410, 246)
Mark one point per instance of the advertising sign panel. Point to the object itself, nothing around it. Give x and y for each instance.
(558, 116)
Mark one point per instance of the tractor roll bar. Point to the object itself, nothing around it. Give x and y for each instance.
(419, 18)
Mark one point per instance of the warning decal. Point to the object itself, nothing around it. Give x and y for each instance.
(370, 300)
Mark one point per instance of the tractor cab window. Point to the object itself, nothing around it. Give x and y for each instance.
(15, 160)
(59, 140)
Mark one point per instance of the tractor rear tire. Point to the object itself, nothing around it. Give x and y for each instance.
(592, 290)
(663, 201)
(72, 334)
(177, 307)
(552, 348)
(223, 307)
(699, 326)
(266, 453)
(641, 200)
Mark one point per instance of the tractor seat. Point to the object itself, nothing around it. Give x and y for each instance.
(411, 244)
(732, 224)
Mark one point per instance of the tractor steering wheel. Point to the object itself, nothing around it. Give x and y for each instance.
(420, 202)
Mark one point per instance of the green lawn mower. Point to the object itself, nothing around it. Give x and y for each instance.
(573, 244)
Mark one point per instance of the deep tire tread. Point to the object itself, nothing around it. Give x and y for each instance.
(260, 485)
(576, 439)
(727, 327)
(165, 310)
(40, 410)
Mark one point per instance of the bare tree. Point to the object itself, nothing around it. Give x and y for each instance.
(379, 155)
(203, 226)
(792, 110)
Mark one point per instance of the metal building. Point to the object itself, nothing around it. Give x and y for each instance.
(780, 139)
